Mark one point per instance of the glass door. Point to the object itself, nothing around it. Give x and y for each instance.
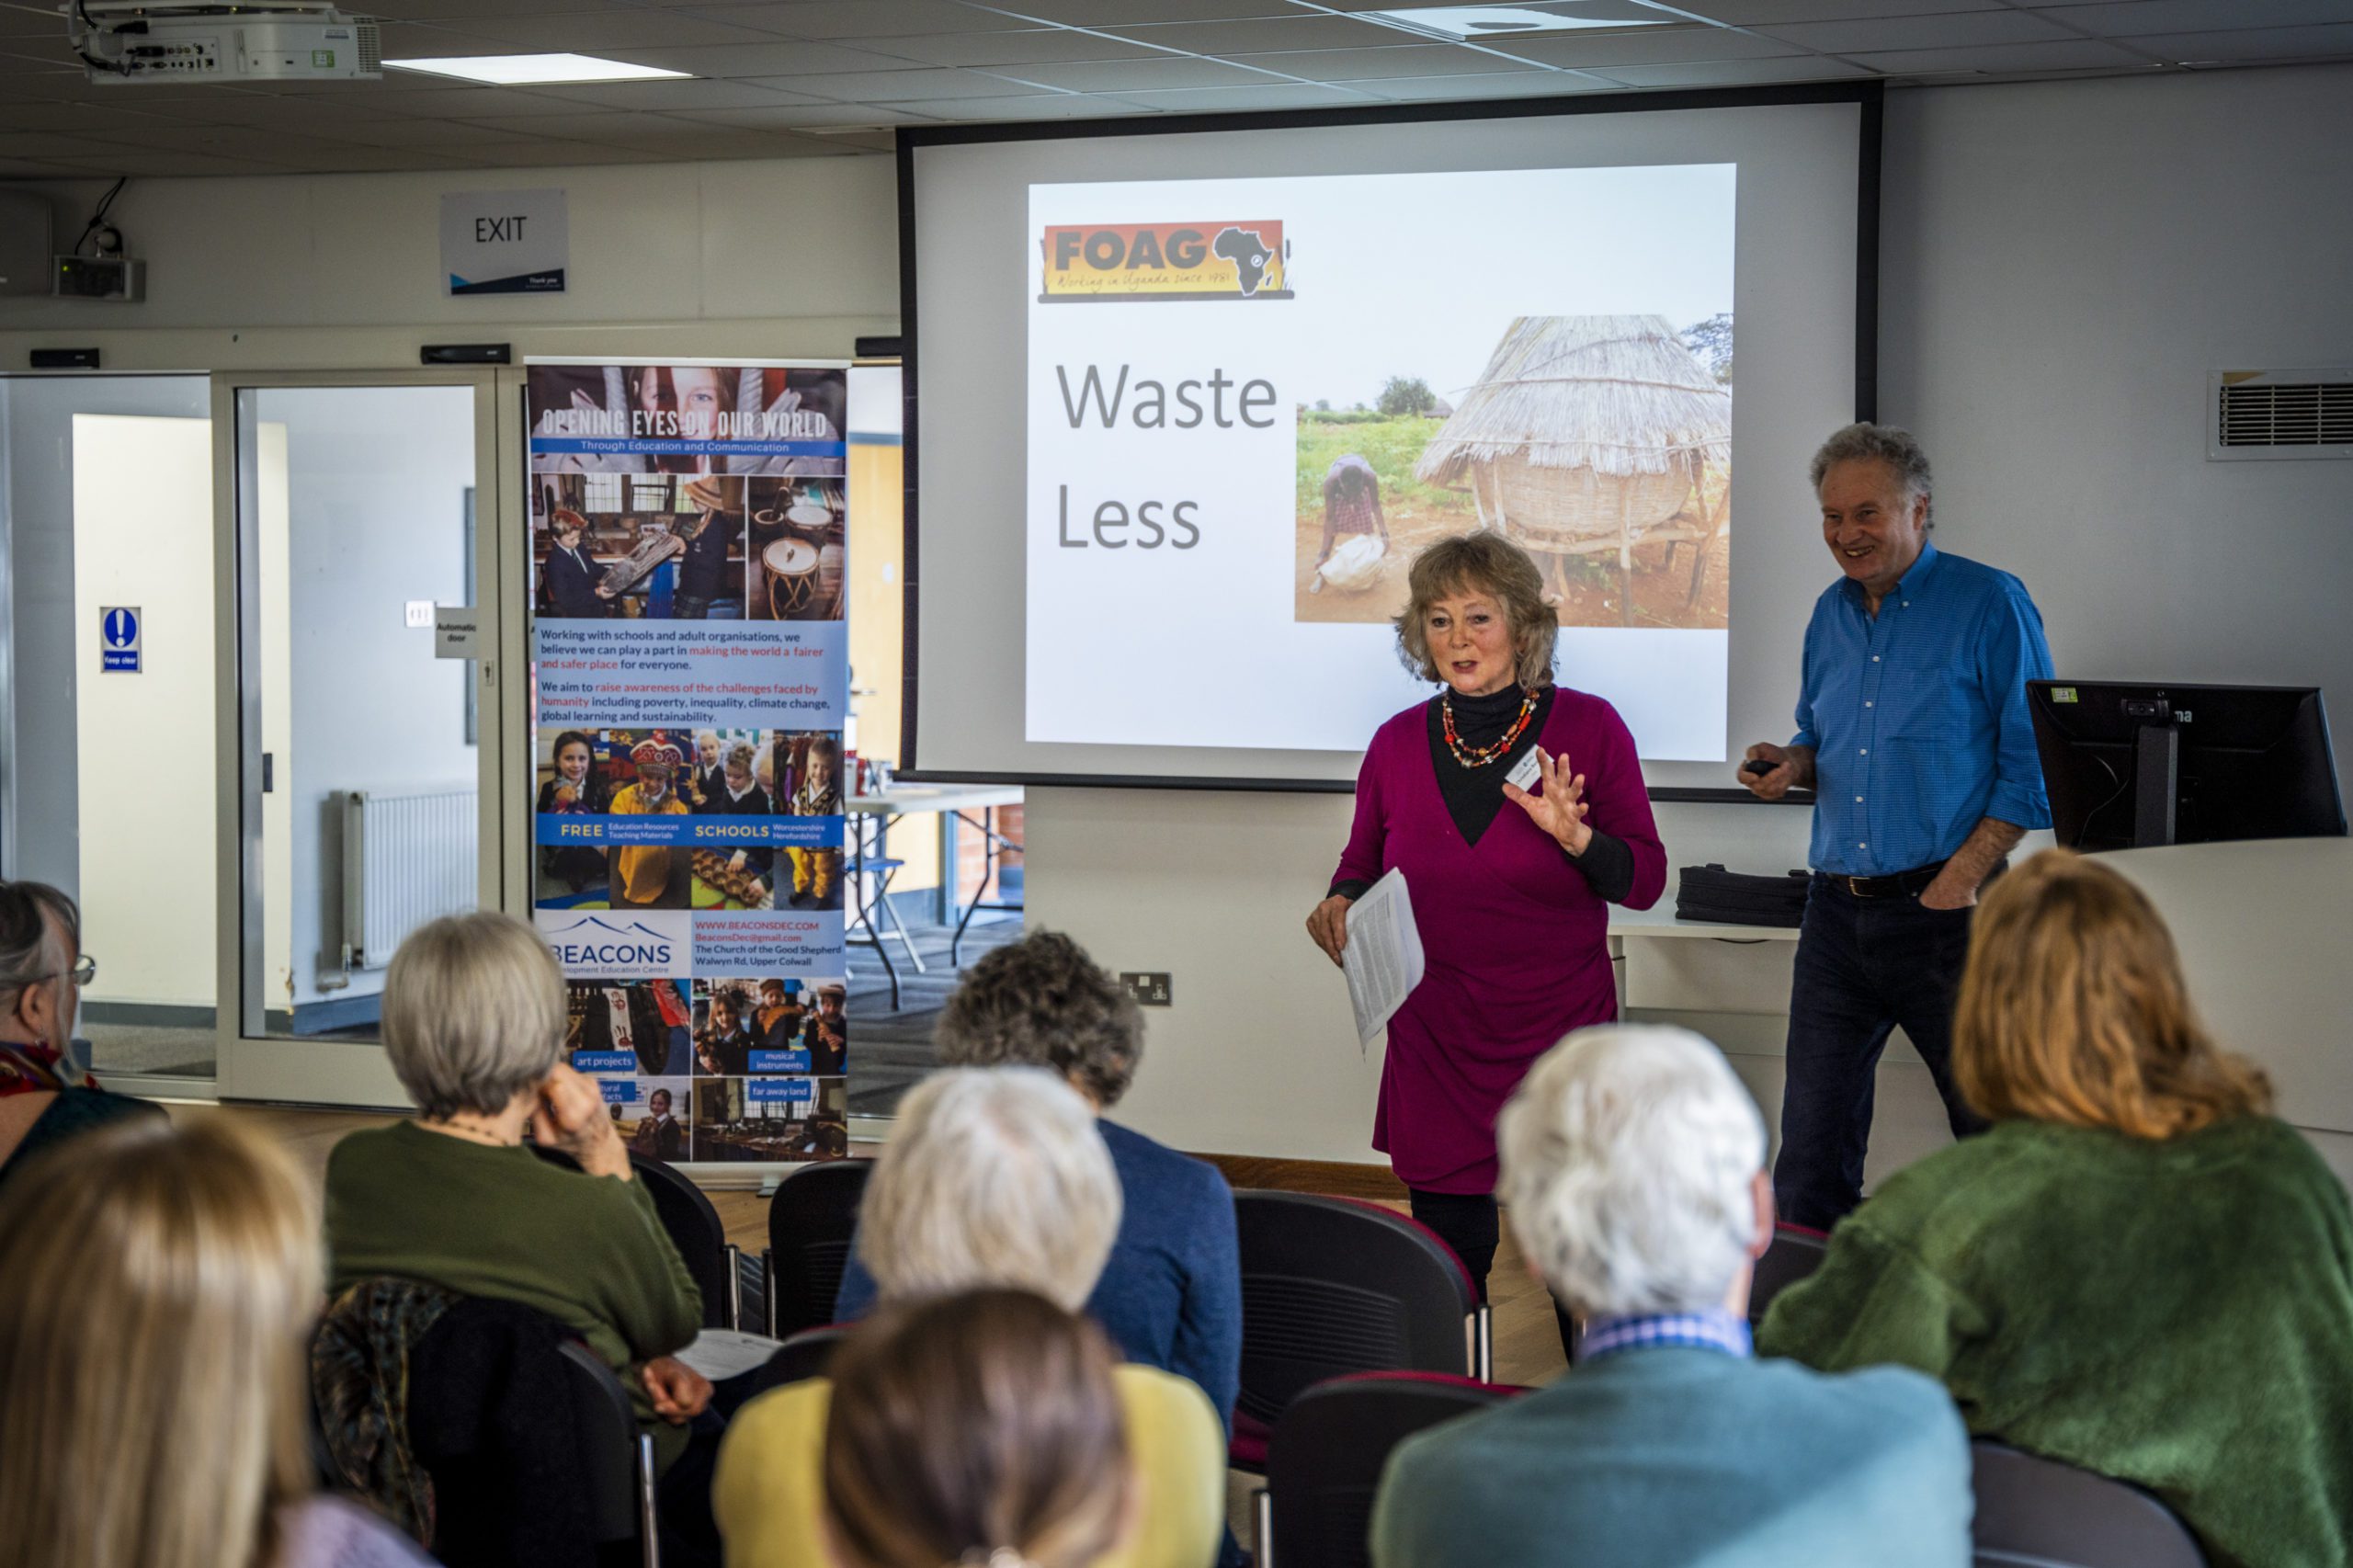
(364, 696)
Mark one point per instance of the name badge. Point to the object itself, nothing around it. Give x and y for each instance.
(1527, 773)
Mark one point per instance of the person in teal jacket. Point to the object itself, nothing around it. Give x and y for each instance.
(1633, 1175)
(2139, 1271)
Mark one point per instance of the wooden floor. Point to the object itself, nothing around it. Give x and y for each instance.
(1527, 1340)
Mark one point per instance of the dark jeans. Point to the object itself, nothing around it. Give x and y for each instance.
(1864, 965)
(1468, 1222)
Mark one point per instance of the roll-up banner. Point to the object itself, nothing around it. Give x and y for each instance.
(690, 678)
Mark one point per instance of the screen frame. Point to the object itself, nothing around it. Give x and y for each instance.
(1870, 98)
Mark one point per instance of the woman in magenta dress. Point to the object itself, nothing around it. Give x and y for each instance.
(1510, 886)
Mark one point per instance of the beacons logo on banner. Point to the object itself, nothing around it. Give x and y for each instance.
(1166, 261)
(618, 943)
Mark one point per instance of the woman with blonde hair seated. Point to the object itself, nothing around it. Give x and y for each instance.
(157, 1285)
(993, 1177)
(2139, 1270)
(983, 1428)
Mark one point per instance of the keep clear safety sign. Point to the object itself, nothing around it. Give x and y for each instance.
(118, 640)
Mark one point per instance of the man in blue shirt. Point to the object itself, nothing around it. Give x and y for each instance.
(1633, 1173)
(1913, 733)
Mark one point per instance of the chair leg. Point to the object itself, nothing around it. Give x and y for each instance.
(734, 1256)
(1262, 1529)
(899, 928)
(649, 1517)
(767, 1289)
(1482, 1344)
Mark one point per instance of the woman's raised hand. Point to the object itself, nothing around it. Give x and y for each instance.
(571, 1116)
(1561, 810)
(1328, 924)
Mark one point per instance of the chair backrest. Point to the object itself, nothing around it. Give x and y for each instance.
(805, 1355)
(1331, 1287)
(690, 1222)
(1324, 1460)
(695, 1229)
(1796, 1252)
(813, 1220)
(2038, 1513)
(607, 1432)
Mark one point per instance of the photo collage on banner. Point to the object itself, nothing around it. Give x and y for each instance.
(691, 685)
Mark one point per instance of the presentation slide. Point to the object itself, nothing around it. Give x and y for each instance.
(1185, 406)
(1252, 401)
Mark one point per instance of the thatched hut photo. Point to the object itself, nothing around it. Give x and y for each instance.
(1600, 443)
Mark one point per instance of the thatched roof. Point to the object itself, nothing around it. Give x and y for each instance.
(1620, 395)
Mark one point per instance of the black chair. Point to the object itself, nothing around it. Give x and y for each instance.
(813, 1218)
(1324, 1460)
(805, 1355)
(621, 1473)
(693, 1227)
(2038, 1513)
(1331, 1287)
(1797, 1251)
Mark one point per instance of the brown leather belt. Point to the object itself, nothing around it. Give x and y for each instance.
(1896, 884)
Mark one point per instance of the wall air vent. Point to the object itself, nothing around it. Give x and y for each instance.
(2279, 414)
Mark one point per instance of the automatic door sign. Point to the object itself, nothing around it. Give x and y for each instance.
(118, 640)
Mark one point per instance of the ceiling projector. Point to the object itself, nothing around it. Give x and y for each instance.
(125, 42)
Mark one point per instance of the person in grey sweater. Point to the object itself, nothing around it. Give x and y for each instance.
(1633, 1174)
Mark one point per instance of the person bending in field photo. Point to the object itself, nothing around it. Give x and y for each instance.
(1351, 505)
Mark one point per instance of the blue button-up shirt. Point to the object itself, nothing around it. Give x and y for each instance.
(1712, 1329)
(1918, 716)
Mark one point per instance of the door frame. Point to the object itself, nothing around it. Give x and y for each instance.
(254, 1066)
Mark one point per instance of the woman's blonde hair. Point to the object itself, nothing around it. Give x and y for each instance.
(1480, 562)
(473, 1013)
(2073, 1009)
(157, 1282)
(973, 1428)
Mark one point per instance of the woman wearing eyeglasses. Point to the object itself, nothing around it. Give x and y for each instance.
(44, 1097)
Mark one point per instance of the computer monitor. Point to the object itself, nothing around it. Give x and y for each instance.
(2131, 766)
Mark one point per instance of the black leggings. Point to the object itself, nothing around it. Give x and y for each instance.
(1467, 1222)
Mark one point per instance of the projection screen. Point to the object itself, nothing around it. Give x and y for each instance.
(1184, 401)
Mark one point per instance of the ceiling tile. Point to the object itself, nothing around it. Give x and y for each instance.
(1952, 30)
(19, 169)
(1509, 85)
(672, 95)
(1369, 64)
(794, 116)
(1655, 46)
(1264, 35)
(1140, 76)
(1735, 73)
(1776, 13)
(1030, 46)
(682, 140)
(28, 21)
(158, 163)
(1247, 100)
(546, 153)
(2141, 16)
(868, 18)
(31, 114)
(464, 10)
(2252, 44)
(2065, 54)
(1056, 105)
(1129, 13)
(449, 134)
(901, 87)
(478, 103)
(596, 32)
(612, 125)
(778, 59)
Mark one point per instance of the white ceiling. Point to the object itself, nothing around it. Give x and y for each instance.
(798, 78)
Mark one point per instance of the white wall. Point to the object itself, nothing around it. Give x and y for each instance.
(376, 477)
(2063, 263)
(142, 535)
(780, 257)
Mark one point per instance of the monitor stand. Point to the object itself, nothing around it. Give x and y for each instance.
(2156, 784)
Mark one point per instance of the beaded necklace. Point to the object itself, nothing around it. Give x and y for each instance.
(1479, 757)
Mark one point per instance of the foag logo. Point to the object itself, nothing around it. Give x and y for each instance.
(1166, 261)
(617, 943)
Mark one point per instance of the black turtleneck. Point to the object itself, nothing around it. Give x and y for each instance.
(1475, 796)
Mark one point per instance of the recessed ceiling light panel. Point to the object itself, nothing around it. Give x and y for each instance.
(1476, 24)
(533, 69)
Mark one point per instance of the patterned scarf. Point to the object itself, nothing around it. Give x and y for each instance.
(32, 1069)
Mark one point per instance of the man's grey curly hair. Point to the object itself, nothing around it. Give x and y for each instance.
(1900, 450)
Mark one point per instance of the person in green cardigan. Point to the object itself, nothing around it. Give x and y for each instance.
(2139, 1271)
(474, 1024)
(1633, 1175)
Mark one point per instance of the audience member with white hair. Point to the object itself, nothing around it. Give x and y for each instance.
(994, 1177)
(1633, 1175)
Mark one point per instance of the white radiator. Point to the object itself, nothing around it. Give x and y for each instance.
(406, 859)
